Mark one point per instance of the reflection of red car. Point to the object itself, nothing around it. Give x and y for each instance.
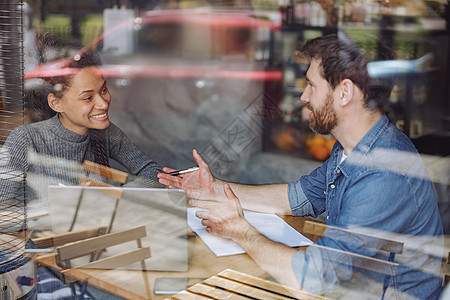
(181, 76)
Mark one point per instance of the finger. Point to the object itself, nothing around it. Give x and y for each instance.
(202, 204)
(205, 222)
(199, 159)
(169, 178)
(202, 214)
(169, 183)
(168, 170)
(173, 187)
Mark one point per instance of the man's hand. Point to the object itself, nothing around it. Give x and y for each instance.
(226, 219)
(198, 184)
(223, 218)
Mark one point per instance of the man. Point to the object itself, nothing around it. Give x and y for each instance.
(373, 181)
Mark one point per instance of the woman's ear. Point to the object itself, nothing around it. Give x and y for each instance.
(54, 102)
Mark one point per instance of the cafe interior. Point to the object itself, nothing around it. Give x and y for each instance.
(223, 77)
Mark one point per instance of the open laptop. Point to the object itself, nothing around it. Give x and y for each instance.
(162, 211)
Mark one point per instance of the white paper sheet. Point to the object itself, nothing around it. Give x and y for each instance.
(269, 225)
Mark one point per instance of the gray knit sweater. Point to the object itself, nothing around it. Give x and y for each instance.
(47, 153)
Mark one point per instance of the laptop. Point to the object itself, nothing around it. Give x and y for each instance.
(162, 211)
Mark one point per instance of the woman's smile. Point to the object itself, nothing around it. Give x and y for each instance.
(100, 117)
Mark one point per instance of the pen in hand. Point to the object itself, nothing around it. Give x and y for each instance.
(175, 173)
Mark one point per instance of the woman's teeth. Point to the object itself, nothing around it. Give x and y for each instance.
(99, 116)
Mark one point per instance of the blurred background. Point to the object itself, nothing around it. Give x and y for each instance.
(224, 77)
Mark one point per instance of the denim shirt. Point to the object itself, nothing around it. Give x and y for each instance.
(381, 187)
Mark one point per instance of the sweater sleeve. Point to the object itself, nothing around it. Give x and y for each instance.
(14, 151)
(129, 155)
(13, 168)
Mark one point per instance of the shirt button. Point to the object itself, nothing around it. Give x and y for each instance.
(328, 217)
(332, 186)
(338, 171)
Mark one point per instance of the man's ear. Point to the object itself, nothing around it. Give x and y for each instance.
(54, 102)
(346, 92)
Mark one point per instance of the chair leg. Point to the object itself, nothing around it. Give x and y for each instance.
(73, 289)
(83, 291)
(113, 215)
(75, 216)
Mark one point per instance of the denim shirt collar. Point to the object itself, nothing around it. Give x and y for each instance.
(364, 146)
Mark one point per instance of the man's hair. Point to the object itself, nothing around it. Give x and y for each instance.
(342, 59)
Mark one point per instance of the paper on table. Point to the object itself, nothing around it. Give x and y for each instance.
(269, 225)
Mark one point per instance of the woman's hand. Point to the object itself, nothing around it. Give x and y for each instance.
(85, 182)
(198, 185)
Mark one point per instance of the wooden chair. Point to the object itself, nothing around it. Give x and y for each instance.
(50, 240)
(107, 172)
(230, 284)
(370, 242)
(386, 267)
(73, 245)
(68, 252)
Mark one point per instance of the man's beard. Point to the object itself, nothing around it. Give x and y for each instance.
(324, 119)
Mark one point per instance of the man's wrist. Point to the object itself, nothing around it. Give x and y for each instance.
(246, 234)
(219, 193)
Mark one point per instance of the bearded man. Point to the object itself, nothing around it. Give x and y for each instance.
(373, 185)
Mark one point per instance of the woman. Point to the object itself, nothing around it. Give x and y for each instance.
(78, 128)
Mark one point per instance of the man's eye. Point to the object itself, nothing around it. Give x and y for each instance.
(88, 98)
(105, 90)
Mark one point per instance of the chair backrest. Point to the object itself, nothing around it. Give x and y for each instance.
(104, 171)
(107, 172)
(358, 260)
(66, 253)
(370, 241)
(59, 239)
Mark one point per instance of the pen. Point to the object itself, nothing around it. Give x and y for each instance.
(175, 173)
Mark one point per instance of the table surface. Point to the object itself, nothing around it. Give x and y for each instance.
(203, 263)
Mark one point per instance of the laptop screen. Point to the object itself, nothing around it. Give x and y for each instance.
(161, 211)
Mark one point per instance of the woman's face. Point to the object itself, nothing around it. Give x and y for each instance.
(85, 103)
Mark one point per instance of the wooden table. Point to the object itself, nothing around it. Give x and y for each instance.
(203, 263)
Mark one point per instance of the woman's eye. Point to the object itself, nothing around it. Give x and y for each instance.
(88, 98)
(105, 90)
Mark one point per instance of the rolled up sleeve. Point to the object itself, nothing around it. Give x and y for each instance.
(298, 201)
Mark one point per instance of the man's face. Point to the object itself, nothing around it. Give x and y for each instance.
(318, 98)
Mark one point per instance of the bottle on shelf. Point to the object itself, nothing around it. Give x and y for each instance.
(282, 5)
(287, 11)
(290, 13)
(302, 12)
